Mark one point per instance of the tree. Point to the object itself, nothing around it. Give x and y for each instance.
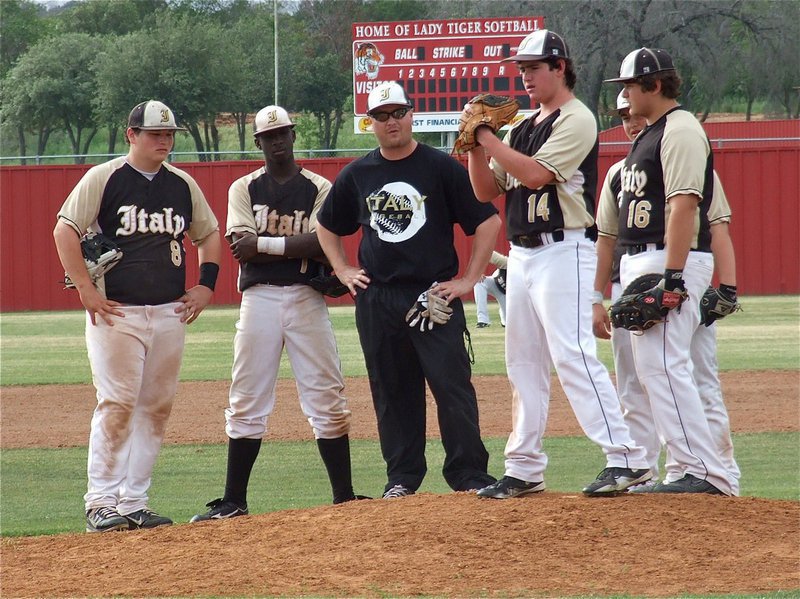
(20, 28)
(109, 17)
(53, 84)
(253, 46)
(183, 62)
(322, 53)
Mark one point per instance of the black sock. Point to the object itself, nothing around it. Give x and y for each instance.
(242, 454)
(335, 454)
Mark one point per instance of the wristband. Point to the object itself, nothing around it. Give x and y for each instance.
(275, 246)
(673, 279)
(208, 274)
(597, 297)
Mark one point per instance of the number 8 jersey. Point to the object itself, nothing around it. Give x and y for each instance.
(147, 218)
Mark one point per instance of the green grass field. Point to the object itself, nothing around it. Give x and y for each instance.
(40, 348)
(41, 489)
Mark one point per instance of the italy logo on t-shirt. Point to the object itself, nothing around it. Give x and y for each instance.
(397, 212)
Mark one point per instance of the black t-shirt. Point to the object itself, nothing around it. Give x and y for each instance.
(406, 210)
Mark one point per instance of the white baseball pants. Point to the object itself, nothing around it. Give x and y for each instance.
(294, 317)
(662, 358)
(549, 319)
(482, 290)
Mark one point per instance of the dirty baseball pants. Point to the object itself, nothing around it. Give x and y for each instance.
(400, 359)
(135, 367)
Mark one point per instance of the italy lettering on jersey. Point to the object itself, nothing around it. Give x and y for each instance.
(148, 220)
(135, 220)
(279, 225)
(260, 205)
(668, 158)
(566, 144)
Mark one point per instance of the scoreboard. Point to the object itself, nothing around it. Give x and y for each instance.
(441, 64)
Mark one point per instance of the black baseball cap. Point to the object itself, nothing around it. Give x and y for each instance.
(539, 45)
(152, 115)
(641, 62)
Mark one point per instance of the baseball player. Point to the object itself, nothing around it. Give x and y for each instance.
(136, 317)
(405, 197)
(662, 222)
(272, 215)
(494, 285)
(547, 166)
(637, 412)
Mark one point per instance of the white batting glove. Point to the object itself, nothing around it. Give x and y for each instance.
(428, 310)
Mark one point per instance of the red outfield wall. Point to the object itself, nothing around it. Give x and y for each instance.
(762, 184)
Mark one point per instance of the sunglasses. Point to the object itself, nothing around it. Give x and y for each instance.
(396, 114)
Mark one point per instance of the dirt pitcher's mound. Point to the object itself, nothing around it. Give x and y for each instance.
(454, 545)
(59, 415)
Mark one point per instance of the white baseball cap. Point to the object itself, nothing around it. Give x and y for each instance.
(387, 93)
(152, 115)
(269, 118)
(622, 102)
(539, 45)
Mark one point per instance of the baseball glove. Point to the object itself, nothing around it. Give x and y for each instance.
(428, 310)
(100, 255)
(716, 304)
(328, 283)
(645, 303)
(487, 110)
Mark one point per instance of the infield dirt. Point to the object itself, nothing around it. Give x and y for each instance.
(453, 545)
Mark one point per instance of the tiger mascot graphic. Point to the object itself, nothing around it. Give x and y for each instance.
(368, 60)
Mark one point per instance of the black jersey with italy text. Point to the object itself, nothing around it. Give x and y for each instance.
(147, 220)
(565, 143)
(668, 158)
(260, 205)
(406, 210)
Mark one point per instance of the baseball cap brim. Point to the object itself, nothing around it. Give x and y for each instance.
(526, 58)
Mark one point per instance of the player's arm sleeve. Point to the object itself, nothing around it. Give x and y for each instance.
(323, 189)
(684, 154)
(572, 138)
(82, 205)
(719, 211)
(240, 210)
(608, 204)
(499, 260)
(204, 221)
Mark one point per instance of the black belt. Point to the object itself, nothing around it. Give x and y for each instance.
(535, 240)
(632, 250)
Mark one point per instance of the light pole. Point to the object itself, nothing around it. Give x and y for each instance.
(275, 19)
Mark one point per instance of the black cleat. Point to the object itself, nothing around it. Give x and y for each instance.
(221, 510)
(508, 487)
